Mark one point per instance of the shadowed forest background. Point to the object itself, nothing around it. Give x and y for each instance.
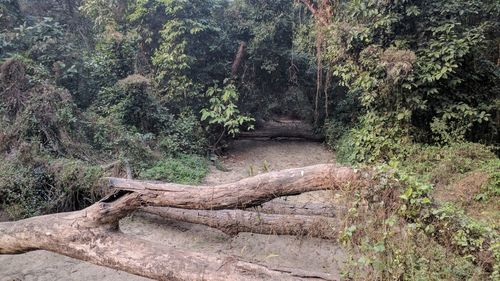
(157, 89)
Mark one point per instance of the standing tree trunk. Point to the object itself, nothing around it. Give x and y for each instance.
(238, 59)
(322, 13)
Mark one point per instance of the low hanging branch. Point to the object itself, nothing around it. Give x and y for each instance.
(93, 234)
(233, 222)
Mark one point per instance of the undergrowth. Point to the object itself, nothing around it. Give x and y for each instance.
(53, 153)
(184, 169)
(430, 214)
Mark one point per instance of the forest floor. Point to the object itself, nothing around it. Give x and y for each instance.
(244, 158)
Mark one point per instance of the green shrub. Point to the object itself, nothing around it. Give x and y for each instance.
(185, 169)
(186, 135)
(132, 103)
(42, 186)
(334, 130)
(376, 139)
(223, 115)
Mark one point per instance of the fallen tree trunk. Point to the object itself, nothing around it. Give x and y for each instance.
(281, 134)
(92, 235)
(233, 222)
(243, 194)
(282, 207)
(283, 129)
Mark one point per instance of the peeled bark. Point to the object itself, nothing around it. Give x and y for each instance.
(233, 222)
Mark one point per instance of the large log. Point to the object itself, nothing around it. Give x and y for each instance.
(92, 235)
(284, 129)
(243, 194)
(233, 222)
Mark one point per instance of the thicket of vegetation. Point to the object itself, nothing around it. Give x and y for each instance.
(90, 87)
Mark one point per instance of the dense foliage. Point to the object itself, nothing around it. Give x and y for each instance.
(422, 71)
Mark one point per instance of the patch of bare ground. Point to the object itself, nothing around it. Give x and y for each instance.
(244, 158)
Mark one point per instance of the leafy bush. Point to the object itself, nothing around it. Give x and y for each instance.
(223, 112)
(334, 131)
(184, 169)
(39, 187)
(423, 67)
(186, 135)
(376, 139)
(40, 113)
(131, 102)
(396, 231)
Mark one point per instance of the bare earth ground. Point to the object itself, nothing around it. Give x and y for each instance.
(245, 158)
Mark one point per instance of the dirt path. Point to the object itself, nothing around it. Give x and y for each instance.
(246, 158)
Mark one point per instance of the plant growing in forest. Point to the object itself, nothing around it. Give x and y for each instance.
(184, 169)
(223, 113)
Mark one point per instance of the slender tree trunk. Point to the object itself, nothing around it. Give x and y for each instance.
(319, 72)
(238, 59)
(327, 87)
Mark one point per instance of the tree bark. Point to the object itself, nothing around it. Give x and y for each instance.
(281, 207)
(238, 59)
(233, 222)
(243, 194)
